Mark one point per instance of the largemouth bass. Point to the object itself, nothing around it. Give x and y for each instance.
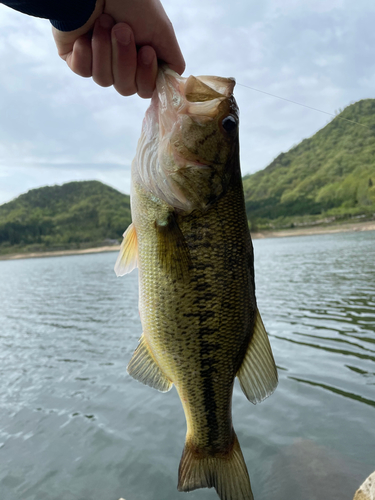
(190, 240)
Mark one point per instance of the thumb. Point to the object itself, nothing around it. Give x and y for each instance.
(79, 59)
(65, 40)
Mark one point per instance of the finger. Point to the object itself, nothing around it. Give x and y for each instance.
(172, 56)
(80, 59)
(168, 49)
(102, 51)
(147, 70)
(124, 59)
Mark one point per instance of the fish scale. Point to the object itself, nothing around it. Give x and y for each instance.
(191, 243)
(178, 315)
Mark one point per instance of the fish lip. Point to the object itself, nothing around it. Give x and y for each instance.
(171, 88)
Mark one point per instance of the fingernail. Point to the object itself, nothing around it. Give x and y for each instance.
(147, 57)
(122, 35)
(105, 21)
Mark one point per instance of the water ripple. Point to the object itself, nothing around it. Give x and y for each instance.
(335, 390)
(75, 426)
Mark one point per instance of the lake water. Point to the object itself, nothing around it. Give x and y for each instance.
(75, 426)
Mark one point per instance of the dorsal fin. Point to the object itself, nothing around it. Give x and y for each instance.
(128, 256)
(258, 373)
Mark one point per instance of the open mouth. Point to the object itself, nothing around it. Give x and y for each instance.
(198, 97)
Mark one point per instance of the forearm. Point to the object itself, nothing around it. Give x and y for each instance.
(65, 15)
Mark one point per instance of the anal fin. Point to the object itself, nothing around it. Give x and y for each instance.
(144, 368)
(258, 372)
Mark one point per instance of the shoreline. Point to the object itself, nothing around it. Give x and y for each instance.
(346, 227)
(282, 233)
(59, 253)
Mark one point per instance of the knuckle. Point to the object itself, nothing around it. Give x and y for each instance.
(144, 94)
(102, 81)
(125, 91)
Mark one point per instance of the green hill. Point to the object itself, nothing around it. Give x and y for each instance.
(74, 215)
(328, 176)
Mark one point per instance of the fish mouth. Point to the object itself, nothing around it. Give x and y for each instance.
(197, 96)
(196, 88)
(201, 98)
(182, 156)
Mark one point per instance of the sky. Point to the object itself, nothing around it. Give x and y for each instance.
(56, 127)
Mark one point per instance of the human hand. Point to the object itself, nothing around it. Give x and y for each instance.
(105, 47)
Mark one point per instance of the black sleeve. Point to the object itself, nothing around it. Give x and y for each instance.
(65, 15)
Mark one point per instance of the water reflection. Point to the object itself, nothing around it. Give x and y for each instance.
(304, 461)
(336, 391)
(327, 348)
(74, 425)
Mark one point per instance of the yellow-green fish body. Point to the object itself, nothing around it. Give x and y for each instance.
(191, 243)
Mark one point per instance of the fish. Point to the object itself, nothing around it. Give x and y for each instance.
(190, 240)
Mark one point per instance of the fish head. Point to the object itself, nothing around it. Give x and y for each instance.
(189, 143)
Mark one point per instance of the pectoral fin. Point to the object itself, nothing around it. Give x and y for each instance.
(144, 368)
(127, 259)
(258, 373)
(173, 252)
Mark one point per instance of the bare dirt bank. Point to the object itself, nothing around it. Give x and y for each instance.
(307, 231)
(59, 253)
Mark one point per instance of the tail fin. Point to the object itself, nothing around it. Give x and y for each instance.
(226, 473)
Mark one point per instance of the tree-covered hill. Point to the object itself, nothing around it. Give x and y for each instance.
(328, 176)
(331, 174)
(74, 215)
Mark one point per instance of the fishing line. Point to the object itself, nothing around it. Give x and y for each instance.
(304, 105)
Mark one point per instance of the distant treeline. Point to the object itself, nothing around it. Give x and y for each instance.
(72, 215)
(331, 174)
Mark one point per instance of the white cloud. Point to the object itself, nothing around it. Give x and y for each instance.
(55, 126)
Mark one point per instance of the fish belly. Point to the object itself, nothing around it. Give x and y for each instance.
(198, 327)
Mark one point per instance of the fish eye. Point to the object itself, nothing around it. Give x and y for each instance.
(229, 123)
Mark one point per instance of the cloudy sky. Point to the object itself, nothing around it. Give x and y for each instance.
(56, 127)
